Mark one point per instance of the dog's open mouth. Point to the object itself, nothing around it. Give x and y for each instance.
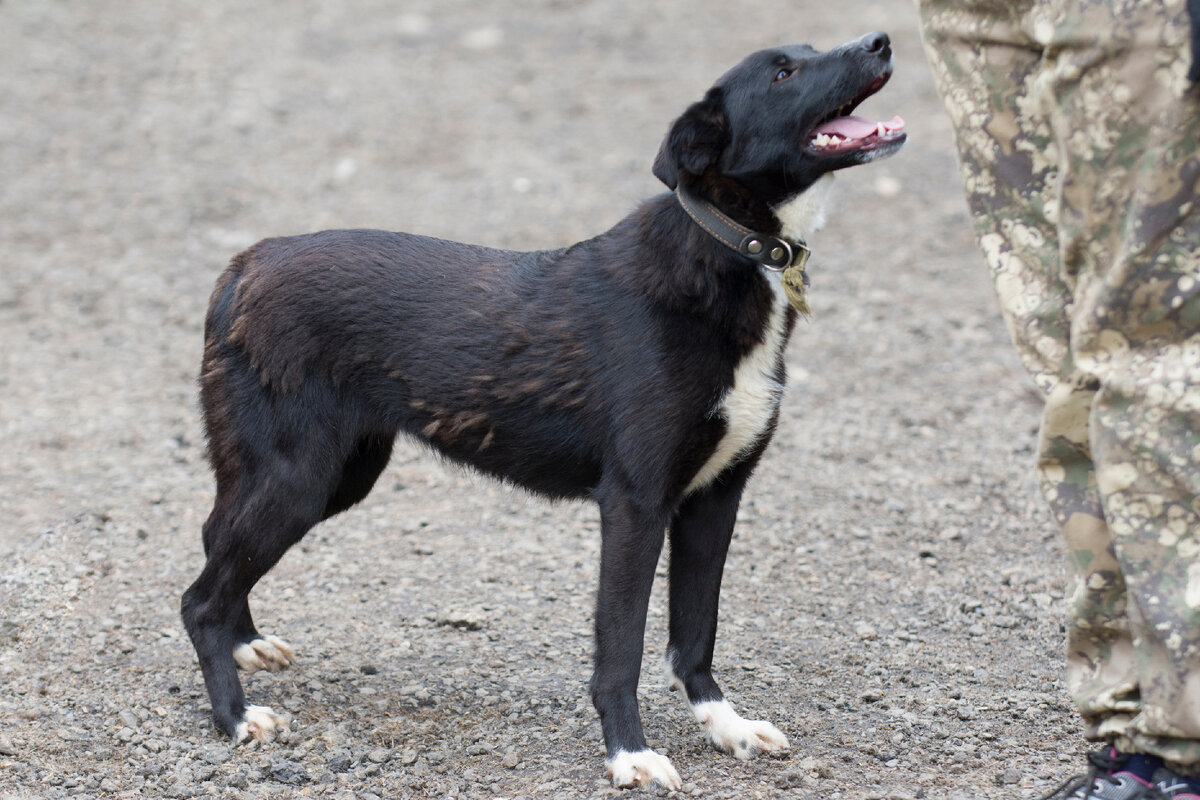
(843, 133)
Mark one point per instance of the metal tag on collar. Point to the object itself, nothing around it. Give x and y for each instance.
(774, 254)
(800, 260)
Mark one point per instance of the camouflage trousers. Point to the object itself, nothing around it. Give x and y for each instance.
(1079, 143)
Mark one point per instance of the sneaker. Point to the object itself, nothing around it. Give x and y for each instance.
(1171, 785)
(1109, 778)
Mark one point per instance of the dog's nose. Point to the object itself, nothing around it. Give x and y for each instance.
(877, 42)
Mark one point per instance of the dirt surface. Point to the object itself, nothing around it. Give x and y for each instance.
(893, 596)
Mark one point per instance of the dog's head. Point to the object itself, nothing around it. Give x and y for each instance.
(781, 119)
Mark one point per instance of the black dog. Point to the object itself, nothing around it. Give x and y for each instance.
(642, 369)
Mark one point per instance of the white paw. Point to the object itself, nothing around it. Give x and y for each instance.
(741, 738)
(642, 769)
(266, 652)
(261, 723)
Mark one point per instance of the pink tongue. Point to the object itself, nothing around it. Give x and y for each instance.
(856, 127)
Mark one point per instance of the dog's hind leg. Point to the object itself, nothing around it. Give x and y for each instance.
(244, 540)
(253, 651)
(700, 534)
(631, 539)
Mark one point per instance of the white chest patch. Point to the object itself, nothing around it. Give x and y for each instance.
(750, 403)
(753, 399)
(804, 214)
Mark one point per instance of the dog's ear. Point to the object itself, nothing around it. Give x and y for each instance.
(695, 140)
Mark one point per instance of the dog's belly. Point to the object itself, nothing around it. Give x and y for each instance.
(750, 404)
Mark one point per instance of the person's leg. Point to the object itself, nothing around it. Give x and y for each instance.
(988, 60)
(1128, 125)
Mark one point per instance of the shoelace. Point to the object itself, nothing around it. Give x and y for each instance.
(1104, 763)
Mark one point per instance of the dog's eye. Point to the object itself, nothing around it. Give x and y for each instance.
(783, 74)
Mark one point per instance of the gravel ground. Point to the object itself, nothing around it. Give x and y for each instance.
(893, 595)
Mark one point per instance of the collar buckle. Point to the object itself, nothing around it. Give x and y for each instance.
(773, 253)
(770, 252)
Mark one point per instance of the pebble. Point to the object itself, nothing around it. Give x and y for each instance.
(214, 754)
(510, 760)
(1009, 777)
(866, 631)
(481, 39)
(409, 757)
(7, 748)
(463, 618)
(286, 771)
(379, 755)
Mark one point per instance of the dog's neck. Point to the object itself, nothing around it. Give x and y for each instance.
(793, 219)
(804, 214)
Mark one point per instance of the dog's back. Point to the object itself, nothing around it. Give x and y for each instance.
(531, 367)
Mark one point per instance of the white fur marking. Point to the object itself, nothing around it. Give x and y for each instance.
(259, 722)
(730, 733)
(804, 214)
(749, 404)
(267, 652)
(642, 769)
(726, 730)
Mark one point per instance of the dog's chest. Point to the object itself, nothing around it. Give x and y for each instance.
(751, 402)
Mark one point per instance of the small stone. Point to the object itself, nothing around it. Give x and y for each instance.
(379, 755)
(510, 760)
(369, 669)
(128, 719)
(214, 754)
(288, 772)
(7, 748)
(1009, 777)
(482, 39)
(339, 762)
(790, 779)
(409, 757)
(414, 26)
(467, 619)
(966, 711)
(888, 186)
(345, 169)
(865, 631)
(871, 696)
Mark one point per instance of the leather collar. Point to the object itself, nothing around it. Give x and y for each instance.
(771, 252)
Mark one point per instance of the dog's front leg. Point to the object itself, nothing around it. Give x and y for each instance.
(700, 535)
(632, 537)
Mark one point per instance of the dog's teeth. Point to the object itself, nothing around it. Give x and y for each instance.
(881, 130)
